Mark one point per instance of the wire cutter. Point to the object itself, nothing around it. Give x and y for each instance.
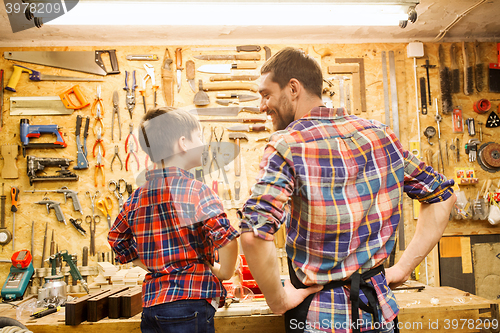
(115, 156)
(99, 167)
(214, 151)
(97, 106)
(105, 206)
(98, 121)
(116, 187)
(116, 111)
(130, 99)
(98, 143)
(92, 218)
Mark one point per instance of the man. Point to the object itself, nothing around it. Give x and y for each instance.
(337, 183)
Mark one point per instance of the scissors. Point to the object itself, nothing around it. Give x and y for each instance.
(105, 206)
(89, 219)
(117, 188)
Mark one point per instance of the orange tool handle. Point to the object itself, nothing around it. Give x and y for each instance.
(178, 58)
(68, 103)
(14, 193)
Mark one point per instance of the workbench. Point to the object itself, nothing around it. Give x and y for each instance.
(455, 311)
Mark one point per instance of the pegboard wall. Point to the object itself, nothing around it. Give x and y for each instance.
(372, 107)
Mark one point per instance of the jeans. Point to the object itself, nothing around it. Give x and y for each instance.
(184, 316)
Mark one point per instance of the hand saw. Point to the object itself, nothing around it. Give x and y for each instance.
(80, 61)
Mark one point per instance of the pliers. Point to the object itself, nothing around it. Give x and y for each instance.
(116, 111)
(98, 143)
(130, 99)
(214, 152)
(115, 156)
(150, 73)
(99, 167)
(97, 106)
(98, 120)
(130, 146)
(131, 151)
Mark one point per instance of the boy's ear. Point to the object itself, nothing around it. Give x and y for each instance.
(181, 143)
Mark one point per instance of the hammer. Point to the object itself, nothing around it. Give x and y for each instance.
(237, 151)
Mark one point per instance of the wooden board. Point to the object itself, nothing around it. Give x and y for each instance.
(115, 305)
(131, 303)
(98, 306)
(356, 83)
(76, 310)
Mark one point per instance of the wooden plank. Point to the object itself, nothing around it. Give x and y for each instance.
(114, 305)
(98, 306)
(361, 63)
(76, 310)
(356, 84)
(131, 303)
(450, 247)
(466, 255)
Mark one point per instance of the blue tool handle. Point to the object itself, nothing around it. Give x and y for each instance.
(133, 81)
(126, 79)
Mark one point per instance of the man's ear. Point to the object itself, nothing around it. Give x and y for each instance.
(295, 88)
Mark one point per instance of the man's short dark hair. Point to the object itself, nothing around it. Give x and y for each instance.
(291, 63)
(161, 127)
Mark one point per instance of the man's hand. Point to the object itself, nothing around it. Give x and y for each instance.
(395, 276)
(293, 297)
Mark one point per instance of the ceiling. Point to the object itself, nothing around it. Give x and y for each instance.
(482, 24)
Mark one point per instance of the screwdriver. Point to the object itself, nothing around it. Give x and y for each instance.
(14, 194)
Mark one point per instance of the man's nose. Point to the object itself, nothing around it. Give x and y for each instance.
(263, 105)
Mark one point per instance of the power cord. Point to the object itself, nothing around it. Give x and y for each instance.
(443, 32)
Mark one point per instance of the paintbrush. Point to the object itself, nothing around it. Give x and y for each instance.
(468, 71)
(455, 72)
(479, 69)
(445, 83)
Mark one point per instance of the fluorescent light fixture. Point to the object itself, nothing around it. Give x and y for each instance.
(259, 13)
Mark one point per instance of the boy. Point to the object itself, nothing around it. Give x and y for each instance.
(171, 226)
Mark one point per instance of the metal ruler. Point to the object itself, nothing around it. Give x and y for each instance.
(395, 128)
(386, 90)
(394, 94)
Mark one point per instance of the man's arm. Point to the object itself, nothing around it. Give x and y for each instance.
(431, 223)
(263, 263)
(228, 254)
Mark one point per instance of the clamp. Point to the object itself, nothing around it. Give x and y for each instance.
(99, 167)
(115, 156)
(97, 106)
(98, 143)
(130, 98)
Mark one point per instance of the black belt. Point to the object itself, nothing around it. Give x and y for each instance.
(357, 282)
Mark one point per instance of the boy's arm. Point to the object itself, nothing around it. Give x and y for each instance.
(228, 254)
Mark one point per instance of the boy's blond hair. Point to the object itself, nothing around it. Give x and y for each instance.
(161, 127)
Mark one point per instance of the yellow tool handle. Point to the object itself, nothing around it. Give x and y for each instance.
(246, 66)
(16, 75)
(68, 103)
(230, 86)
